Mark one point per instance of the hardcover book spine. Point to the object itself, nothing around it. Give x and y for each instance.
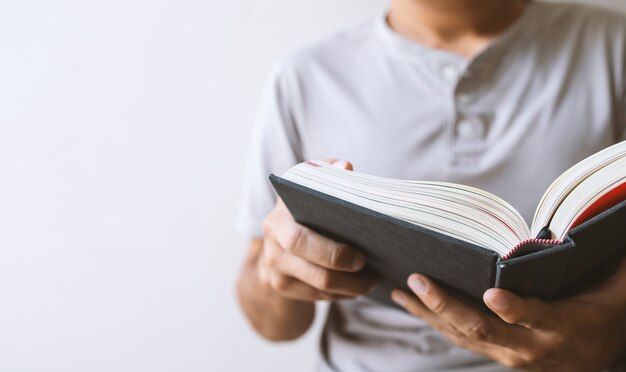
(530, 246)
(536, 274)
(588, 254)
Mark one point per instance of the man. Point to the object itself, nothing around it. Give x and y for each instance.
(503, 95)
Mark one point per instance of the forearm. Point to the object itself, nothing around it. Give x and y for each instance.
(275, 317)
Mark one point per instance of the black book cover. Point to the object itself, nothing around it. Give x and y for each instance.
(394, 249)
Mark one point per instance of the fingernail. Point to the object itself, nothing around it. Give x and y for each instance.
(343, 164)
(357, 262)
(398, 297)
(498, 302)
(417, 284)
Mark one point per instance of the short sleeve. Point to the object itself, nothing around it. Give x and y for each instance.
(274, 148)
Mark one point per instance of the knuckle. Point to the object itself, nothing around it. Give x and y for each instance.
(295, 239)
(439, 306)
(335, 256)
(270, 261)
(513, 363)
(478, 329)
(457, 335)
(514, 317)
(264, 262)
(270, 258)
(279, 282)
(535, 356)
(323, 280)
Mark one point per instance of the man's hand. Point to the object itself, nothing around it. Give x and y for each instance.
(582, 333)
(302, 265)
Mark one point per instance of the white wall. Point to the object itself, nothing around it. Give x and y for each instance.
(123, 129)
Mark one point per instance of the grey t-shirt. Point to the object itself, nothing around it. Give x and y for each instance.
(547, 93)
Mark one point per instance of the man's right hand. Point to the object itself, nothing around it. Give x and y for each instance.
(302, 265)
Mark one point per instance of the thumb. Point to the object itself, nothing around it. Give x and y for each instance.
(528, 312)
(340, 163)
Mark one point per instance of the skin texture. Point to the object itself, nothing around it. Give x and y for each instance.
(290, 269)
(582, 333)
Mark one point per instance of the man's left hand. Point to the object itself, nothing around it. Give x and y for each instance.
(582, 333)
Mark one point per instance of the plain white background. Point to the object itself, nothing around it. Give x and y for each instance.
(123, 132)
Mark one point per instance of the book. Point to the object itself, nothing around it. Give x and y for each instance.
(466, 239)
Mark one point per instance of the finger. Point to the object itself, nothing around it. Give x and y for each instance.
(295, 289)
(414, 306)
(304, 242)
(465, 318)
(528, 312)
(340, 163)
(328, 280)
(500, 354)
(311, 246)
(323, 279)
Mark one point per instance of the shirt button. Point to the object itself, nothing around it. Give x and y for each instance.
(463, 99)
(465, 129)
(450, 72)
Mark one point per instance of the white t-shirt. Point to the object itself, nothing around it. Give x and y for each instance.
(547, 93)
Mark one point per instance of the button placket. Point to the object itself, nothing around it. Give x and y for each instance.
(469, 129)
(465, 129)
(462, 94)
(466, 132)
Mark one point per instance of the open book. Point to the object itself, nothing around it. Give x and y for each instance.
(473, 215)
(447, 214)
